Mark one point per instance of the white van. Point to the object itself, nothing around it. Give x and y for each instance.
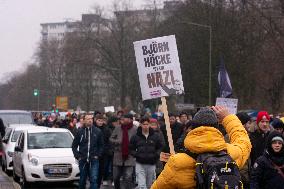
(16, 117)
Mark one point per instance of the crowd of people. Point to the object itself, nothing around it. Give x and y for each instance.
(128, 151)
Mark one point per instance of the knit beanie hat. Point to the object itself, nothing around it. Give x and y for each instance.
(243, 117)
(130, 116)
(205, 117)
(274, 136)
(153, 120)
(262, 114)
(113, 119)
(277, 123)
(277, 138)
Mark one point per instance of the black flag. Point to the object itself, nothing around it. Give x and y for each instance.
(224, 81)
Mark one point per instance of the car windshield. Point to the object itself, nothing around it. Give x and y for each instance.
(49, 140)
(15, 136)
(7, 134)
(16, 118)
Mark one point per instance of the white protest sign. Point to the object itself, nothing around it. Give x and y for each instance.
(230, 103)
(158, 67)
(109, 109)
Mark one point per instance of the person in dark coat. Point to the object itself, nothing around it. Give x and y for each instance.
(145, 146)
(268, 169)
(177, 131)
(179, 145)
(278, 125)
(183, 118)
(259, 137)
(2, 128)
(113, 122)
(72, 126)
(245, 170)
(154, 124)
(2, 132)
(123, 161)
(106, 158)
(51, 120)
(245, 119)
(87, 147)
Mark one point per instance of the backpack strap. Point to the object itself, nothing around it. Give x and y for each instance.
(198, 170)
(191, 154)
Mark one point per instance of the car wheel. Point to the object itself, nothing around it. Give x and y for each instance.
(5, 166)
(8, 172)
(25, 183)
(15, 177)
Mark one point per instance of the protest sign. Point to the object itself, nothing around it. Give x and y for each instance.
(230, 103)
(159, 72)
(158, 67)
(109, 109)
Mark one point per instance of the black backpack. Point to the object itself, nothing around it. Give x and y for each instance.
(216, 171)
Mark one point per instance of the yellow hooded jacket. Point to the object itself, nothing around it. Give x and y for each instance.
(179, 171)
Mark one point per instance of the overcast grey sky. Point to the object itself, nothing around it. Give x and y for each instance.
(20, 26)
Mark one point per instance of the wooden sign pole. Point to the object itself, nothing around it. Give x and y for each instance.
(168, 127)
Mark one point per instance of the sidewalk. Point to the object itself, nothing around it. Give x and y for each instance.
(7, 182)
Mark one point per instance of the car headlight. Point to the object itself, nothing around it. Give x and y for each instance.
(10, 154)
(33, 159)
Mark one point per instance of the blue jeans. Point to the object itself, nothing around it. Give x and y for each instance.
(90, 169)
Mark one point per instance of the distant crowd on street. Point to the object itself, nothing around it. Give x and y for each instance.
(129, 150)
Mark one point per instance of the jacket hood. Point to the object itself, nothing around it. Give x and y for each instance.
(269, 143)
(205, 139)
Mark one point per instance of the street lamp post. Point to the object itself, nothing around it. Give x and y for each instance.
(210, 55)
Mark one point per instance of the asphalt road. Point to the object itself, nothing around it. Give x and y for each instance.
(61, 186)
(7, 182)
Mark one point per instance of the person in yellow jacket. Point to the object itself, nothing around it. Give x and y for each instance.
(179, 171)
